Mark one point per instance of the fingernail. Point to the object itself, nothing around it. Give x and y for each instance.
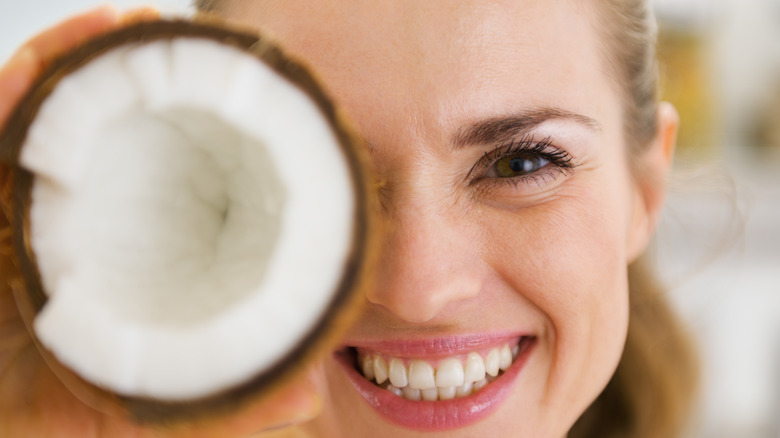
(23, 57)
(107, 11)
(141, 14)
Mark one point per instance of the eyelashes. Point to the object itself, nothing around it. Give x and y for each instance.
(523, 160)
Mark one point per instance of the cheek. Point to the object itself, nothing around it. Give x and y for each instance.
(567, 258)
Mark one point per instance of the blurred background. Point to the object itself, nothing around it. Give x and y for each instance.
(719, 242)
(718, 245)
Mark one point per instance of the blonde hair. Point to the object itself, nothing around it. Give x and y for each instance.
(652, 390)
(629, 35)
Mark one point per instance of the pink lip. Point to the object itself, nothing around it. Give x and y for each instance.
(436, 347)
(438, 415)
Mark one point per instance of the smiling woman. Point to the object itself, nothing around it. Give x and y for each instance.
(522, 158)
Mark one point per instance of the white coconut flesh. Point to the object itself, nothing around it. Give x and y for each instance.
(191, 216)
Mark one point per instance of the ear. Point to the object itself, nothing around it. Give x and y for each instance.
(650, 181)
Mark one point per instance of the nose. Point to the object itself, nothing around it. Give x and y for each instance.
(428, 262)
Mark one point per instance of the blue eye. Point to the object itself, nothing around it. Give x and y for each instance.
(519, 165)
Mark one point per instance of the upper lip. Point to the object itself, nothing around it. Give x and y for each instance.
(433, 347)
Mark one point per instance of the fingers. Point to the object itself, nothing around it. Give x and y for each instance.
(18, 74)
(294, 403)
(57, 40)
(297, 404)
(16, 77)
(74, 31)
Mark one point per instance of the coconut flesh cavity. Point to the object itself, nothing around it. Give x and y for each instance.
(191, 217)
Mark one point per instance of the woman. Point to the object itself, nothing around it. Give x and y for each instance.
(523, 157)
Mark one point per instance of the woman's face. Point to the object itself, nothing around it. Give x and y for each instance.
(512, 214)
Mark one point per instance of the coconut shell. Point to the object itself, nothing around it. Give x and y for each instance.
(29, 293)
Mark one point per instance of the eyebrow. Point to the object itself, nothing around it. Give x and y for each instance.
(505, 128)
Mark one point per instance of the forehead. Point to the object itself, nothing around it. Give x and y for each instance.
(438, 63)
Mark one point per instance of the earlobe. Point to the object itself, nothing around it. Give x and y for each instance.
(651, 180)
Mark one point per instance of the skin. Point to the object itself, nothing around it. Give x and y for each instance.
(465, 252)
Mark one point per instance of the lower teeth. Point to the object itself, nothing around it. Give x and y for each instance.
(438, 394)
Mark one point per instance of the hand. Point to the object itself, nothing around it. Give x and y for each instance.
(33, 401)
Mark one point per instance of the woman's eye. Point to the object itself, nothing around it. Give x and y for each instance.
(518, 165)
(521, 162)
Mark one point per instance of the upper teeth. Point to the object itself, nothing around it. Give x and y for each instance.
(453, 377)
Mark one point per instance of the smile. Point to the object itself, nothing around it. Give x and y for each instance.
(436, 385)
(450, 378)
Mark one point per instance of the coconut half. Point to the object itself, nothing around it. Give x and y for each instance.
(190, 215)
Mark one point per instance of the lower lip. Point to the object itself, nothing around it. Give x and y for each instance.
(438, 415)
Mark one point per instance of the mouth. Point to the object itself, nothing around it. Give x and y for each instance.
(443, 379)
(436, 385)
